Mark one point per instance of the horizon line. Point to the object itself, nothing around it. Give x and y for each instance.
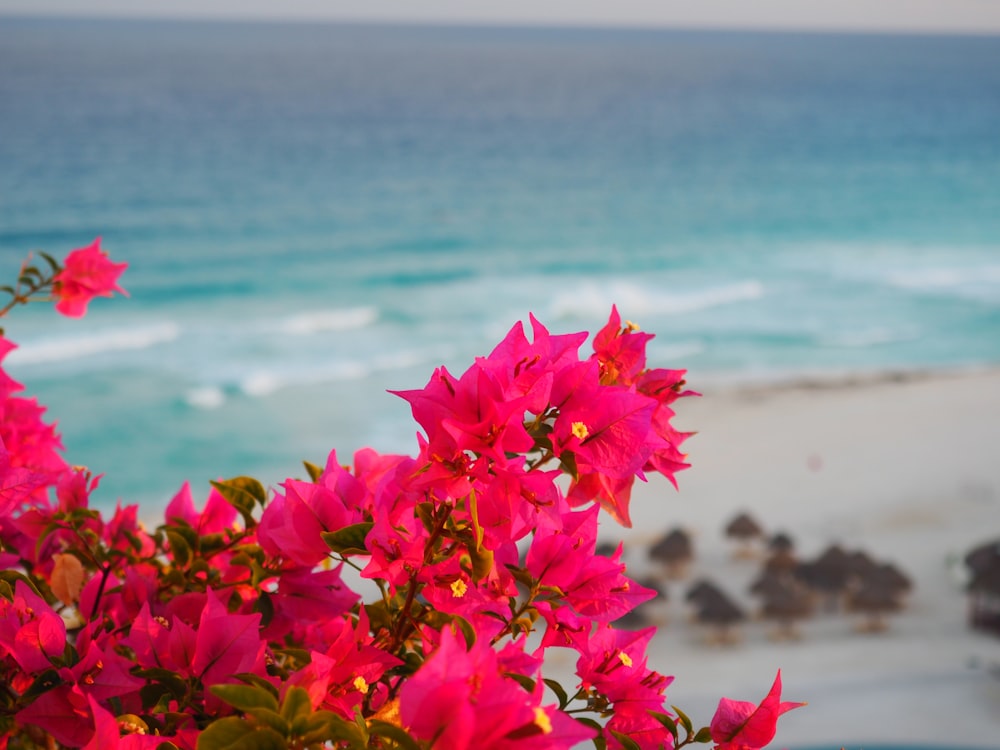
(512, 24)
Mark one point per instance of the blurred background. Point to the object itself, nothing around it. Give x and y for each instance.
(324, 204)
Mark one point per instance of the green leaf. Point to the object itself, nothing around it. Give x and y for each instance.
(209, 543)
(557, 688)
(468, 632)
(315, 472)
(179, 548)
(43, 683)
(296, 703)
(349, 540)
(482, 561)
(627, 742)
(169, 679)
(156, 698)
(53, 263)
(684, 720)
(13, 576)
(270, 719)
(567, 462)
(425, 512)
(245, 697)
(522, 576)
(666, 721)
(523, 680)
(234, 733)
(223, 733)
(398, 737)
(704, 735)
(599, 742)
(318, 727)
(249, 678)
(378, 615)
(266, 608)
(243, 493)
(347, 731)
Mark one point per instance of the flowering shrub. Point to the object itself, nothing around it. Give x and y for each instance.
(232, 626)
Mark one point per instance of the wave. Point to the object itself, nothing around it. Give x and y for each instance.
(972, 281)
(317, 321)
(77, 347)
(590, 299)
(867, 338)
(262, 383)
(205, 397)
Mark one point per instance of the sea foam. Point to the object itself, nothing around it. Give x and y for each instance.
(591, 300)
(305, 324)
(66, 348)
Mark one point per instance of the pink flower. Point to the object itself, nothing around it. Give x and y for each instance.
(227, 644)
(218, 515)
(461, 698)
(348, 670)
(620, 350)
(593, 585)
(30, 630)
(107, 733)
(87, 273)
(7, 384)
(740, 725)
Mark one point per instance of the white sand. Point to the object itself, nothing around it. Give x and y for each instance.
(905, 469)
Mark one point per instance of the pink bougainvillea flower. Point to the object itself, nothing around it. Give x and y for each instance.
(217, 515)
(291, 526)
(87, 273)
(528, 369)
(611, 435)
(621, 351)
(460, 698)
(17, 484)
(31, 442)
(614, 495)
(108, 733)
(62, 712)
(593, 585)
(227, 644)
(306, 596)
(740, 725)
(30, 630)
(348, 670)
(614, 662)
(7, 384)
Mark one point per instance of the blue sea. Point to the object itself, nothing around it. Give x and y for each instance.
(316, 213)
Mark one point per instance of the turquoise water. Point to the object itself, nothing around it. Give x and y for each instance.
(314, 214)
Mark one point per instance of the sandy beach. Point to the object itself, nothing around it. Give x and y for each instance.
(902, 467)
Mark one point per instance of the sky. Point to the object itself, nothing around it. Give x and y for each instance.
(922, 16)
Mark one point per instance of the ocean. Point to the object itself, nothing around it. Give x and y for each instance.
(316, 213)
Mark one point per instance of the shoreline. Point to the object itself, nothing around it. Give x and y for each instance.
(902, 466)
(725, 384)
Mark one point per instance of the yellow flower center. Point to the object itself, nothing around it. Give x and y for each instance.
(361, 684)
(458, 588)
(580, 430)
(631, 326)
(625, 658)
(542, 720)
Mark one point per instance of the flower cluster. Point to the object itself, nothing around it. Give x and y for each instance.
(236, 625)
